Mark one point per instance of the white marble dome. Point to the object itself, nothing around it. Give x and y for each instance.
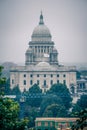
(41, 32)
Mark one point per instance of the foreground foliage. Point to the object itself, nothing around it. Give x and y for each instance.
(9, 113)
(81, 122)
(9, 110)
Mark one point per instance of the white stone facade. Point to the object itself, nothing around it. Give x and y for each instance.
(41, 64)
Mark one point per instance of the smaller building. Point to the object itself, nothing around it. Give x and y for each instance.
(82, 85)
(54, 123)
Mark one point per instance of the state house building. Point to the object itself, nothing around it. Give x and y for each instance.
(41, 63)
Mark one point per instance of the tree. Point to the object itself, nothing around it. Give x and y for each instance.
(16, 91)
(49, 100)
(80, 105)
(61, 91)
(2, 81)
(9, 112)
(75, 108)
(32, 113)
(35, 89)
(82, 102)
(81, 122)
(7, 87)
(55, 110)
(35, 96)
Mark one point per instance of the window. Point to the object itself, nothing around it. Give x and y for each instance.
(36, 49)
(51, 82)
(48, 49)
(51, 124)
(64, 82)
(24, 82)
(39, 123)
(31, 82)
(51, 75)
(31, 75)
(57, 81)
(44, 75)
(24, 75)
(37, 75)
(42, 49)
(12, 81)
(84, 86)
(44, 82)
(64, 75)
(46, 123)
(37, 82)
(57, 75)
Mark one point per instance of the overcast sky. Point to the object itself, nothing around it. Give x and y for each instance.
(66, 19)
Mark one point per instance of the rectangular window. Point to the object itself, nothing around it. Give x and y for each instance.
(51, 75)
(31, 75)
(31, 82)
(57, 75)
(44, 75)
(44, 82)
(57, 81)
(46, 123)
(36, 49)
(24, 82)
(37, 82)
(37, 75)
(51, 82)
(12, 81)
(39, 123)
(64, 75)
(41, 49)
(51, 124)
(48, 49)
(64, 82)
(24, 75)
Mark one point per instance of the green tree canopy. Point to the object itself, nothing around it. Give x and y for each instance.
(9, 112)
(34, 94)
(81, 122)
(80, 105)
(32, 113)
(55, 110)
(82, 102)
(35, 89)
(7, 87)
(62, 92)
(49, 100)
(75, 108)
(2, 81)
(15, 91)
